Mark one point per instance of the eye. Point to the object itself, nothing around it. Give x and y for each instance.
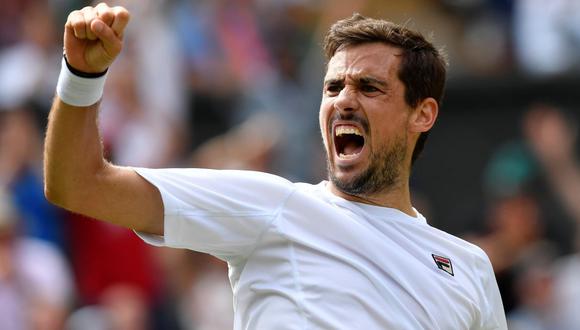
(333, 89)
(369, 89)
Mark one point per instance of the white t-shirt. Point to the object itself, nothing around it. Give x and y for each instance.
(301, 257)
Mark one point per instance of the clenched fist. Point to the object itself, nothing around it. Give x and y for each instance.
(93, 37)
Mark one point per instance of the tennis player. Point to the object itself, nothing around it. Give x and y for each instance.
(347, 253)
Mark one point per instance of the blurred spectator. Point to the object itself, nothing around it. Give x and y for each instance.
(36, 287)
(20, 172)
(553, 137)
(105, 256)
(28, 67)
(197, 294)
(547, 35)
(10, 21)
(293, 88)
(485, 43)
(122, 307)
(143, 112)
(133, 133)
(567, 291)
(539, 290)
(514, 229)
(159, 70)
(247, 146)
(28, 72)
(514, 224)
(534, 288)
(224, 55)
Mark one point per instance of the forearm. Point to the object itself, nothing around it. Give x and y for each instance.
(73, 153)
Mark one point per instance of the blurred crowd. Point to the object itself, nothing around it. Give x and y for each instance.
(237, 84)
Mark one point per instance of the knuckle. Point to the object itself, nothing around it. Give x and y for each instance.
(121, 11)
(78, 24)
(106, 16)
(75, 17)
(73, 14)
(104, 10)
(89, 12)
(109, 14)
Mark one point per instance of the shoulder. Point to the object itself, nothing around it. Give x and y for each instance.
(195, 173)
(208, 189)
(310, 188)
(192, 178)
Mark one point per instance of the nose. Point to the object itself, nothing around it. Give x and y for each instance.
(347, 100)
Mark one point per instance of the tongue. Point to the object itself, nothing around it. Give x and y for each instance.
(351, 148)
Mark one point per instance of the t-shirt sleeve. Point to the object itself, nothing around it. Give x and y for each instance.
(493, 314)
(220, 212)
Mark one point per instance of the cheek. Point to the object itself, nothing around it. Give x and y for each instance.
(385, 130)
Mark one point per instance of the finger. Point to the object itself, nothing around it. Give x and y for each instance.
(111, 43)
(122, 17)
(105, 13)
(90, 14)
(76, 22)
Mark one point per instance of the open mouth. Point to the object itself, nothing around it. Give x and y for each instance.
(348, 141)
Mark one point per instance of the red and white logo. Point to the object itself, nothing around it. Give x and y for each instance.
(444, 264)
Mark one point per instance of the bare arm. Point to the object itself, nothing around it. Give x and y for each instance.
(76, 175)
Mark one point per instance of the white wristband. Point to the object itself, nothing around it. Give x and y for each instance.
(79, 91)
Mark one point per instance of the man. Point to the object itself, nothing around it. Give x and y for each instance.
(351, 253)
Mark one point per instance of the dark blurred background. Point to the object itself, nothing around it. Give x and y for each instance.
(237, 84)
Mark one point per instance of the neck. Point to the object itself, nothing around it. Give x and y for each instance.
(397, 197)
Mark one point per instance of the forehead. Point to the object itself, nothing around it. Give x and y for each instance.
(371, 59)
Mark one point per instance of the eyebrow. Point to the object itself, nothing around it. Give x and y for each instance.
(361, 80)
(333, 81)
(372, 80)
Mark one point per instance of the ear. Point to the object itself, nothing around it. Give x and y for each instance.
(423, 116)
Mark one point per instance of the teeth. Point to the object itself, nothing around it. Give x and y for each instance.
(343, 156)
(340, 130)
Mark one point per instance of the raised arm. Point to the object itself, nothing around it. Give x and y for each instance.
(77, 177)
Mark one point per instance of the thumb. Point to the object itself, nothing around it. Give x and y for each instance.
(111, 43)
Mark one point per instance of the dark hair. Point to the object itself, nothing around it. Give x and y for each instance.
(423, 67)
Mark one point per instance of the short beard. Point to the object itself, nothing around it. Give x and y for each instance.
(382, 173)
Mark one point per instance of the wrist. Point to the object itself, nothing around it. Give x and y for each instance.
(83, 74)
(79, 88)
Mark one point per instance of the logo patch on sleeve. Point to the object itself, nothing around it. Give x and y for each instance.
(444, 264)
